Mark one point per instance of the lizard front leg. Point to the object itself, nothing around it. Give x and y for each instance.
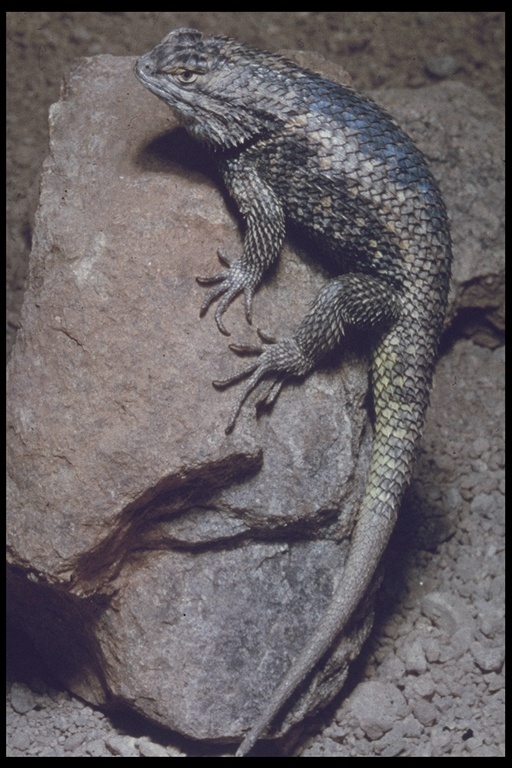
(263, 240)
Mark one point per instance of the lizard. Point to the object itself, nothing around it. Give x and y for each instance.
(293, 147)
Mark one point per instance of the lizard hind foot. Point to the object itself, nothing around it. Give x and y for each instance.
(276, 362)
(257, 371)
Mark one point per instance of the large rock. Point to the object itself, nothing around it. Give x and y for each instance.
(156, 561)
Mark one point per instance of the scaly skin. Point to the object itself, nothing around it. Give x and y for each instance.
(293, 146)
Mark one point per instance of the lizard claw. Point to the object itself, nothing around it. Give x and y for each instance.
(276, 361)
(232, 281)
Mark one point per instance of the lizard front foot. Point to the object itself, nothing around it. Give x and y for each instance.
(231, 281)
(277, 361)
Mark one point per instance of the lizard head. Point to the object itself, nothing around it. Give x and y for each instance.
(218, 88)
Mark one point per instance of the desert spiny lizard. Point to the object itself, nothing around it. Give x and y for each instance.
(292, 146)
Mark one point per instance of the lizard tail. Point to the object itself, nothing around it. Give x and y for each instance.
(398, 427)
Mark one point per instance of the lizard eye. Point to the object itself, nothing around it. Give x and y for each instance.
(186, 76)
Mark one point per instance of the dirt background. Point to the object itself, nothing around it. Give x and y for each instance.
(378, 49)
